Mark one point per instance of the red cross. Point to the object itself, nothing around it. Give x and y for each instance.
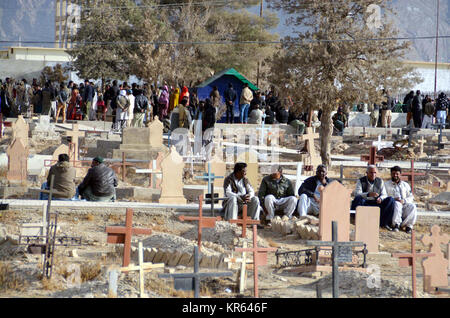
(409, 259)
(372, 158)
(203, 222)
(123, 166)
(259, 257)
(244, 221)
(410, 175)
(122, 235)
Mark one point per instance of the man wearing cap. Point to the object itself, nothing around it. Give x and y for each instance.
(99, 183)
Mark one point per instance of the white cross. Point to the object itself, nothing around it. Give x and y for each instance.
(263, 129)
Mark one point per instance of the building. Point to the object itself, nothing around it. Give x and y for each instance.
(67, 21)
(427, 72)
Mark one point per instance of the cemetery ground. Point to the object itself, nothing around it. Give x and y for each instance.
(82, 271)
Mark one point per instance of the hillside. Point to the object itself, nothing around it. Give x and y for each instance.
(33, 20)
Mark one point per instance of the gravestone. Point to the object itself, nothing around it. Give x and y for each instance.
(17, 154)
(367, 223)
(75, 134)
(155, 176)
(334, 206)
(251, 159)
(172, 179)
(20, 130)
(310, 157)
(435, 267)
(142, 143)
(62, 149)
(218, 168)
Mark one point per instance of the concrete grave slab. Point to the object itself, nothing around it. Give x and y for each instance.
(367, 223)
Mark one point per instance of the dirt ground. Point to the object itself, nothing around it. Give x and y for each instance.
(21, 273)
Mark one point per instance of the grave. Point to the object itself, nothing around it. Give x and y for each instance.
(409, 176)
(244, 221)
(122, 235)
(334, 206)
(218, 168)
(74, 135)
(409, 259)
(142, 143)
(367, 224)
(17, 154)
(435, 267)
(172, 178)
(20, 129)
(372, 158)
(259, 257)
(191, 281)
(309, 155)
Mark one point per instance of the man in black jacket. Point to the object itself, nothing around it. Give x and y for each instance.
(230, 98)
(140, 106)
(417, 110)
(309, 192)
(99, 183)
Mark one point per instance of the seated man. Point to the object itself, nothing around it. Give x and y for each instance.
(63, 182)
(277, 193)
(339, 120)
(309, 192)
(239, 191)
(99, 183)
(405, 211)
(370, 191)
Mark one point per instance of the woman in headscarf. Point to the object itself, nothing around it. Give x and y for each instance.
(163, 103)
(184, 93)
(74, 105)
(174, 99)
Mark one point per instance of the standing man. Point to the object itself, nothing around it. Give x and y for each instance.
(442, 107)
(140, 107)
(239, 191)
(374, 114)
(405, 212)
(244, 103)
(99, 183)
(277, 193)
(88, 97)
(417, 110)
(386, 112)
(123, 103)
(230, 97)
(310, 190)
(370, 191)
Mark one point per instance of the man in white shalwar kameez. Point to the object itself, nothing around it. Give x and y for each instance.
(405, 211)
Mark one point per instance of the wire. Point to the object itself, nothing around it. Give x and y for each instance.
(233, 42)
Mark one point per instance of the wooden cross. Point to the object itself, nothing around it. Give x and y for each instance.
(409, 259)
(142, 267)
(209, 176)
(244, 221)
(341, 253)
(259, 257)
(75, 133)
(409, 176)
(372, 158)
(308, 137)
(122, 235)
(123, 166)
(243, 261)
(435, 268)
(203, 222)
(191, 281)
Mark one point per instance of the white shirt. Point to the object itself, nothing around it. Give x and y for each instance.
(401, 190)
(241, 189)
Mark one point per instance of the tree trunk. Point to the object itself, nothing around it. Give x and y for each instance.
(326, 131)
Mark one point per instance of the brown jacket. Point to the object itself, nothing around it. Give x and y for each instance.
(64, 179)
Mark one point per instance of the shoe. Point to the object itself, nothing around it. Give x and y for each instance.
(387, 227)
(408, 230)
(396, 228)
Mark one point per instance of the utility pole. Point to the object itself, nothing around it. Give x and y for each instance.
(437, 46)
(259, 63)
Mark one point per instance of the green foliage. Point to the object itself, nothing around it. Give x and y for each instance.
(54, 74)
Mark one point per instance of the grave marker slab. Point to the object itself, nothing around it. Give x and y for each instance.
(17, 154)
(172, 179)
(435, 267)
(367, 223)
(20, 130)
(75, 134)
(334, 206)
(308, 137)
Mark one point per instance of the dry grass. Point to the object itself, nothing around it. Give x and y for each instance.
(90, 271)
(9, 216)
(9, 280)
(272, 243)
(164, 287)
(89, 217)
(50, 284)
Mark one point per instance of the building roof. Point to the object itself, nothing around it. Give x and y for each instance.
(229, 71)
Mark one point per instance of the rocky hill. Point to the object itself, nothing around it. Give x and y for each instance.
(33, 20)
